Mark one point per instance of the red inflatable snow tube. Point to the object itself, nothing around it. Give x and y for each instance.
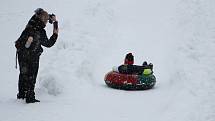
(129, 81)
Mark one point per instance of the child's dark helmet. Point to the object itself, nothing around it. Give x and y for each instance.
(129, 59)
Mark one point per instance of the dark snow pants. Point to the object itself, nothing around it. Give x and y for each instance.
(132, 69)
(28, 67)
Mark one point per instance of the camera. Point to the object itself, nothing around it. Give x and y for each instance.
(50, 18)
(51, 21)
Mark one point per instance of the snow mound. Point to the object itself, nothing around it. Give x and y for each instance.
(50, 84)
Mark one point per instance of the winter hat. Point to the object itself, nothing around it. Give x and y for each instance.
(129, 59)
(38, 11)
(42, 14)
(37, 20)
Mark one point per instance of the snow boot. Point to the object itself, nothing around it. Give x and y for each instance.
(144, 63)
(151, 66)
(33, 100)
(30, 97)
(21, 96)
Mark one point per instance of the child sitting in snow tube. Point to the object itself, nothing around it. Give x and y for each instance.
(131, 77)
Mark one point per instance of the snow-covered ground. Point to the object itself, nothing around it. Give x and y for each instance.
(177, 36)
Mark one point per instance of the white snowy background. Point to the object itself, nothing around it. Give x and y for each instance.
(177, 36)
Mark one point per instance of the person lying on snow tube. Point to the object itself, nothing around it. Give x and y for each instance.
(129, 68)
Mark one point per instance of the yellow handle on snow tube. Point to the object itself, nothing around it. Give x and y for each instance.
(147, 72)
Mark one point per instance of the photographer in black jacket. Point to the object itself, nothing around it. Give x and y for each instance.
(29, 50)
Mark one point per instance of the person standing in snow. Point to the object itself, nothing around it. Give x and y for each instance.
(29, 50)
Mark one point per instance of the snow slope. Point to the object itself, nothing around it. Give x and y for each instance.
(177, 36)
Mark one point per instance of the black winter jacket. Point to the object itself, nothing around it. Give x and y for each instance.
(35, 29)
